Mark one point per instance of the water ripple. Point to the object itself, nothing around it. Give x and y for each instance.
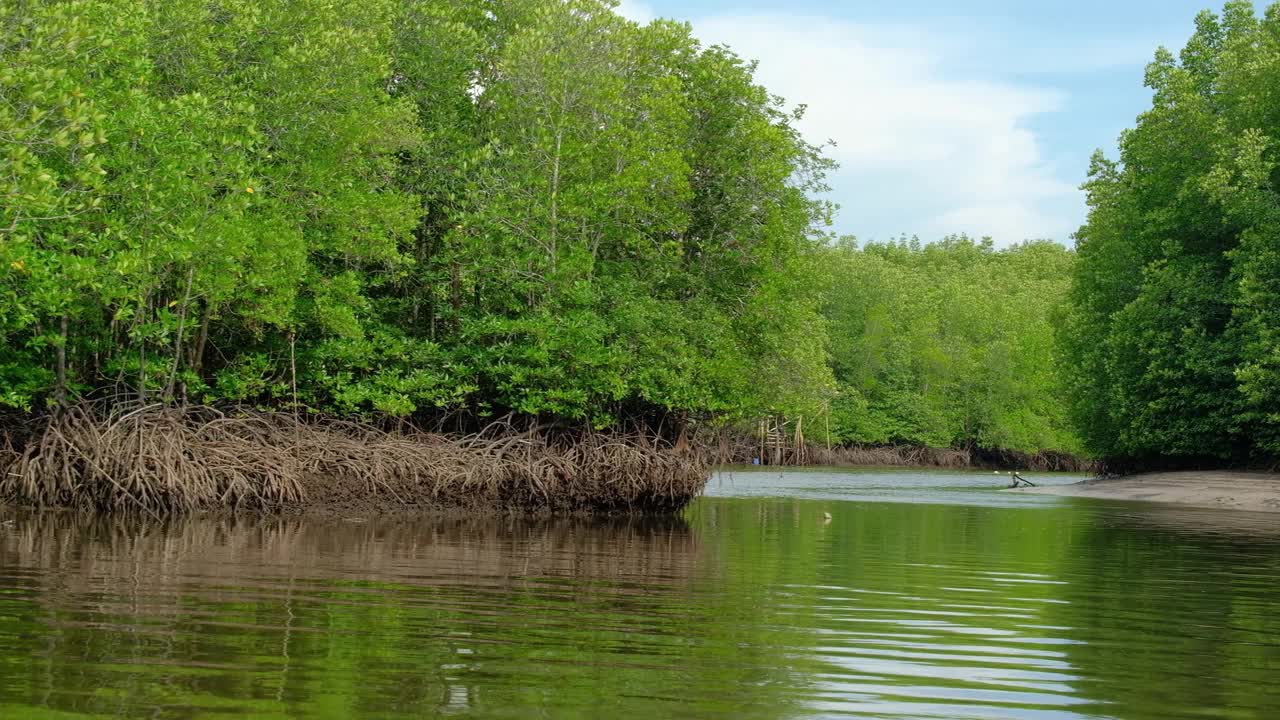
(752, 608)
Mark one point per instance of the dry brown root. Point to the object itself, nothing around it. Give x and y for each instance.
(161, 460)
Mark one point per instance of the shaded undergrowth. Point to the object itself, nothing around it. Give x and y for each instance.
(745, 449)
(161, 460)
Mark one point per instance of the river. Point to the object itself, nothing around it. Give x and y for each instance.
(779, 595)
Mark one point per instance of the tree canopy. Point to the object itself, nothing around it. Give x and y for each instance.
(949, 344)
(1173, 337)
(413, 207)
(391, 207)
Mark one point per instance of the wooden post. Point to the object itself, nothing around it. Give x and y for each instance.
(826, 417)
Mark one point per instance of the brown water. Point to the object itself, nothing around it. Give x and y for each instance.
(926, 595)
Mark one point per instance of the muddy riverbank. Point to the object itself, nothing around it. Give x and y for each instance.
(1256, 492)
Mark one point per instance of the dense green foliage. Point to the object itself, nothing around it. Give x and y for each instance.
(396, 207)
(1174, 333)
(407, 208)
(949, 344)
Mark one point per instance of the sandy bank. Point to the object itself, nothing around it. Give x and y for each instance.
(1258, 492)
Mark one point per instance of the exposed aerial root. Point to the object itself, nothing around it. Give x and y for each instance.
(161, 460)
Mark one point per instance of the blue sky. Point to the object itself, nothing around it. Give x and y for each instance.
(974, 116)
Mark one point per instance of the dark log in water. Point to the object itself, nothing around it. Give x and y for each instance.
(162, 460)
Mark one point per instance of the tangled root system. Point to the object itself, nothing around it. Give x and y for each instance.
(163, 460)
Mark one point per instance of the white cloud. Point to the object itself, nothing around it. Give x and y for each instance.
(924, 146)
(636, 11)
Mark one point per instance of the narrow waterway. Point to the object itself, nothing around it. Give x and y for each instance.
(779, 595)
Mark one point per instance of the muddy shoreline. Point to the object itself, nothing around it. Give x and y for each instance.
(745, 450)
(1221, 489)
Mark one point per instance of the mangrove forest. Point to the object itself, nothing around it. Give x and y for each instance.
(540, 232)
(1172, 335)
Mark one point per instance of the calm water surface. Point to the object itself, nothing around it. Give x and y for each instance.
(926, 595)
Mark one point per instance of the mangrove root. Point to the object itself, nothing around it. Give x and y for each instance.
(160, 460)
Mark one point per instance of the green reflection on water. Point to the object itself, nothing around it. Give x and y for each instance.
(746, 607)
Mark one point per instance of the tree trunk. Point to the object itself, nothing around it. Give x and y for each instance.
(61, 393)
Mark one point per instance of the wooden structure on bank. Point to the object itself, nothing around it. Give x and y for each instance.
(782, 441)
